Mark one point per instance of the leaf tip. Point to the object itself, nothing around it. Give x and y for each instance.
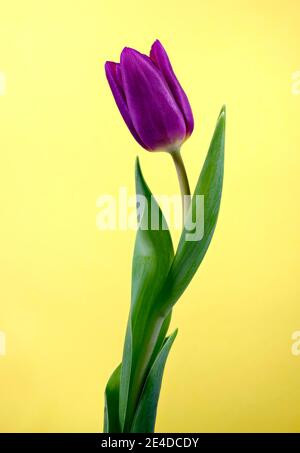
(222, 118)
(174, 334)
(223, 111)
(137, 165)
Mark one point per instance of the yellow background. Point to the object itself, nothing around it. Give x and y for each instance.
(65, 286)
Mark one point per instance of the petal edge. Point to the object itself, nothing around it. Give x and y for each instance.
(113, 75)
(160, 58)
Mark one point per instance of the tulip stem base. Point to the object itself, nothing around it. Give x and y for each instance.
(183, 182)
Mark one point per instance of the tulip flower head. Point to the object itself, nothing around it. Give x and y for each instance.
(151, 101)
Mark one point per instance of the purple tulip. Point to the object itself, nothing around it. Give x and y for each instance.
(150, 99)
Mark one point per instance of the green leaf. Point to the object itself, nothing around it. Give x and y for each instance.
(153, 256)
(125, 374)
(144, 420)
(190, 253)
(162, 337)
(111, 408)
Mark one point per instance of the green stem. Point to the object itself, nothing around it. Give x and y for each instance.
(141, 363)
(183, 182)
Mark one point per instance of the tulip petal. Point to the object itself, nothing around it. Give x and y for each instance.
(113, 75)
(154, 113)
(160, 58)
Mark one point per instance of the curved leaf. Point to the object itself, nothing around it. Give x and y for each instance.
(162, 337)
(152, 259)
(144, 420)
(111, 408)
(192, 248)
